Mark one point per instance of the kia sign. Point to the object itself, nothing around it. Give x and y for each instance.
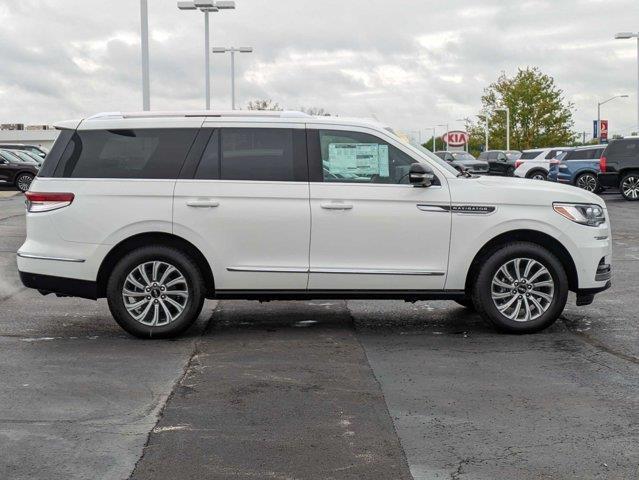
(455, 138)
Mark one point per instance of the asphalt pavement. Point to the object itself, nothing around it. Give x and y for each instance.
(319, 390)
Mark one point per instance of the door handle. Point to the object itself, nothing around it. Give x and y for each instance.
(336, 206)
(202, 203)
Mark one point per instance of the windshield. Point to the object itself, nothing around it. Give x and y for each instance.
(25, 157)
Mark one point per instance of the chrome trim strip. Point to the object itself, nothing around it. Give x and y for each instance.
(433, 208)
(346, 271)
(378, 271)
(268, 269)
(55, 259)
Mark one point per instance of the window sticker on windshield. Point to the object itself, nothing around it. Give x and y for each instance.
(360, 159)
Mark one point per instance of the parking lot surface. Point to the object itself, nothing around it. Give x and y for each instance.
(319, 390)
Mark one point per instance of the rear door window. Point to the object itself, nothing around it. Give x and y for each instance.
(126, 153)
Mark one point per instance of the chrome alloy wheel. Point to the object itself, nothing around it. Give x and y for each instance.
(630, 187)
(24, 182)
(155, 293)
(587, 182)
(538, 176)
(522, 289)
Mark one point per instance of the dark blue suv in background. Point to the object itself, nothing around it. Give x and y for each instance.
(578, 167)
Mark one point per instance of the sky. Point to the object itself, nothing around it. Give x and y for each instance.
(413, 64)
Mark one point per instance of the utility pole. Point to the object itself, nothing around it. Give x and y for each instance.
(144, 41)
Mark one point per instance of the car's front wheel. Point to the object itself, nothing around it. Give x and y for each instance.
(23, 181)
(629, 186)
(588, 181)
(521, 288)
(155, 292)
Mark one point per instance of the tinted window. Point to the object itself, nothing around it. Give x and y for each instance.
(354, 157)
(144, 153)
(624, 148)
(529, 155)
(209, 167)
(585, 154)
(264, 154)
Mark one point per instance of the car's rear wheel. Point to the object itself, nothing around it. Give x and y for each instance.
(155, 292)
(588, 181)
(23, 181)
(521, 288)
(537, 175)
(629, 186)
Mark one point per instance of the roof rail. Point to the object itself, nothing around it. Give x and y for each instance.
(200, 113)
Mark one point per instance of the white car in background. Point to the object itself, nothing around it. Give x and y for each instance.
(535, 163)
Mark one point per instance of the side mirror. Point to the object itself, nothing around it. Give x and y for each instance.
(420, 175)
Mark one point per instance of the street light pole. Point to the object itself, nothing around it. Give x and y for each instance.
(625, 36)
(144, 42)
(207, 6)
(447, 130)
(233, 51)
(599, 104)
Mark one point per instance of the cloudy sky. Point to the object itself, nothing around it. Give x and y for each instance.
(410, 63)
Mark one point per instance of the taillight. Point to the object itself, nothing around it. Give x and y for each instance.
(518, 163)
(45, 202)
(603, 161)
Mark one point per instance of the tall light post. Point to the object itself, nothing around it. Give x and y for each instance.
(447, 130)
(144, 42)
(626, 36)
(507, 110)
(232, 50)
(485, 115)
(207, 7)
(599, 104)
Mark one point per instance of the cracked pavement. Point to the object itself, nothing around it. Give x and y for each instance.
(319, 390)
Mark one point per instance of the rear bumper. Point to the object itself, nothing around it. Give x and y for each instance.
(71, 287)
(609, 180)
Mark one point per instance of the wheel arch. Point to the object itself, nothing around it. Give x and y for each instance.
(531, 236)
(158, 238)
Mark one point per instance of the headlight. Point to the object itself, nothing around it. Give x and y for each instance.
(584, 213)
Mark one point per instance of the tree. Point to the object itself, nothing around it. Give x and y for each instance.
(439, 144)
(265, 104)
(539, 114)
(318, 112)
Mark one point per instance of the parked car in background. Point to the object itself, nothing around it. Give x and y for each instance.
(579, 167)
(619, 167)
(39, 151)
(535, 163)
(464, 161)
(498, 162)
(16, 171)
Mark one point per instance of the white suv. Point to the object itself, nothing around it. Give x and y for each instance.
(157, 212)
(535, 164)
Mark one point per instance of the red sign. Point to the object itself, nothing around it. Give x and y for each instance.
(456, 138)
(603, 130)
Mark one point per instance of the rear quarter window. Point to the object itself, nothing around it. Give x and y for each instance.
(126, 153)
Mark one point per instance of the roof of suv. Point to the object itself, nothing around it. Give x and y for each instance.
(232, 115)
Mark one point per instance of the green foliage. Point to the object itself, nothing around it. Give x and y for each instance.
(539, 114)
(439, 144)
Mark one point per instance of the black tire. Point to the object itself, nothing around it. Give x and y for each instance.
(482, 288)
(185, 266)
(466, 302)
(510, 172)
(537, 175)
(588, 181)
(629, 186)
(23, 181)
